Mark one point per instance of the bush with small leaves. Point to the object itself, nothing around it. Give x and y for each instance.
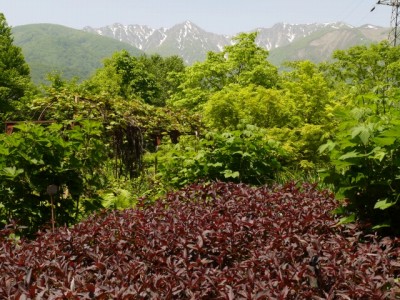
(213, 241)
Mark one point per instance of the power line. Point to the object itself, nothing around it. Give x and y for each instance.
(394, 34)
(351, 11)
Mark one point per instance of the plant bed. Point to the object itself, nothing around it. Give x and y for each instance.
(213, 241)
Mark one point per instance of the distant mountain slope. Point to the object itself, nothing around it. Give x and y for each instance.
(285, 41)
(320, 44)
(48, 48)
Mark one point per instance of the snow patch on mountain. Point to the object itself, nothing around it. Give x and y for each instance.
(192, 43)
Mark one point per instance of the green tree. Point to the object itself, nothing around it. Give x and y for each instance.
(247, 63)
(364, 155)
(243, 63)
(162, 68)
(310, 102)
(14, 72)
(130, 77)
(367, 75)
(125, 76)
(306, 86)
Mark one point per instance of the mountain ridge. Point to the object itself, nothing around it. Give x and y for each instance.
(166, 41)
(78, 53)
(192, 42)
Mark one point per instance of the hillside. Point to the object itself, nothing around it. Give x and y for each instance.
(78, 53)
(319, 45)
(74, 53)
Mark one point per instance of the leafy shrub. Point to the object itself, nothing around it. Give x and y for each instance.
(34, 157)
(218, 241)
(235, 105)
(302, 144)
(245, 156)
(365, 158)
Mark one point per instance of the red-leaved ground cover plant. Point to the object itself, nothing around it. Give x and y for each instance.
(213, 241)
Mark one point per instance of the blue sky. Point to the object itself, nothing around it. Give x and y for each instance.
(218, 16)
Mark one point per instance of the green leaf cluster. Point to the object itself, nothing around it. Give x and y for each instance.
(246, 156)
(34, 157)
(243, 63)
(235, 105)
(363, 150)
(131, 77)
(365, 167)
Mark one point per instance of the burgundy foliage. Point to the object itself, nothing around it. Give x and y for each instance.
(219, 241)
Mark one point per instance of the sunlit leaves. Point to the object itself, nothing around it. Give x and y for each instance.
(310, 96)
(368, 75)
(384, 204)
(256, 105)
(242, 64)
(245, 155)
(365, 160)
(11, 172)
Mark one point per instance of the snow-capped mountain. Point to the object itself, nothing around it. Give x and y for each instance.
(186, 39)
(299, 41)
(283, 34)
(139, 36)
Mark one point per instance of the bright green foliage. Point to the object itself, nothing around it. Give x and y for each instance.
(34, 157)
(118, 198)
(240, 156)
(243, 64)
(365, 158)
(367, 75)
(131, 77)
(302, 113)
(256, 105)
(14, 72)
(307, 88)
(246, 63)
(121, 193)
(302, 144)
(299, 113)
(126, 76)
(364, 153)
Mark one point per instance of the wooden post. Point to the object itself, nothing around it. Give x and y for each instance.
(52, 190)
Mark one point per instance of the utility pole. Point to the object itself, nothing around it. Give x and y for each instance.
(394, 34)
